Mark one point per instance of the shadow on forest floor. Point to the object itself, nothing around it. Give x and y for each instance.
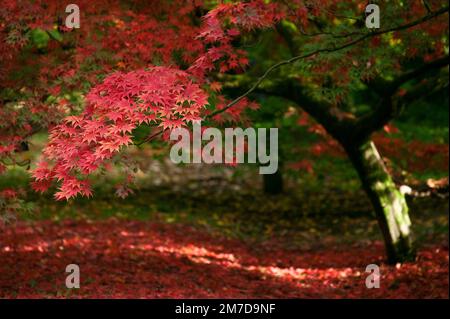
(141, 259)
(218, 238)
(299, 219)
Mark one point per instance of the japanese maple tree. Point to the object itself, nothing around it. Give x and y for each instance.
(158, 65)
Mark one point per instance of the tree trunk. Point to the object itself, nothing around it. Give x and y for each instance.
(273, 183)
(389, 204)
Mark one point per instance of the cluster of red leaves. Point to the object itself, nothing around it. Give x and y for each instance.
(225, 23)
(167, 96)
(114, 109)
(154, 33)
(112, 37)
(421, 155)
(16, 121)
(134, 259)
(134, 36)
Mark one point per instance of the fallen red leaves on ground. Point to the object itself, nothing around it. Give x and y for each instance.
(136, 259)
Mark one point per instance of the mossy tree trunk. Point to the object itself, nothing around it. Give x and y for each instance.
(353, 132)
(389, 204)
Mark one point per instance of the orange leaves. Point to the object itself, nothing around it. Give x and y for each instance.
(215, 86)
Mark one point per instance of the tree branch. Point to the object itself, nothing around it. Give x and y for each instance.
(328, 50)
(387, 109)
(423, 70)
(310, 54)
(337, 126)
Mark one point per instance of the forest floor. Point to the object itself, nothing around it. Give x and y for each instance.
(145, 259)
(195, 233)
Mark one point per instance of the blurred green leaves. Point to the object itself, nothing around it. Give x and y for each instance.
(40, 38)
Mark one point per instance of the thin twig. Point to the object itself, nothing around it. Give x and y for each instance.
(327, 50)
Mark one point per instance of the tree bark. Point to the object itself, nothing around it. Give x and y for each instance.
(273, 183)
(389, 204)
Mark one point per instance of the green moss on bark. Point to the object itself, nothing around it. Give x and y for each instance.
(389, 204)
